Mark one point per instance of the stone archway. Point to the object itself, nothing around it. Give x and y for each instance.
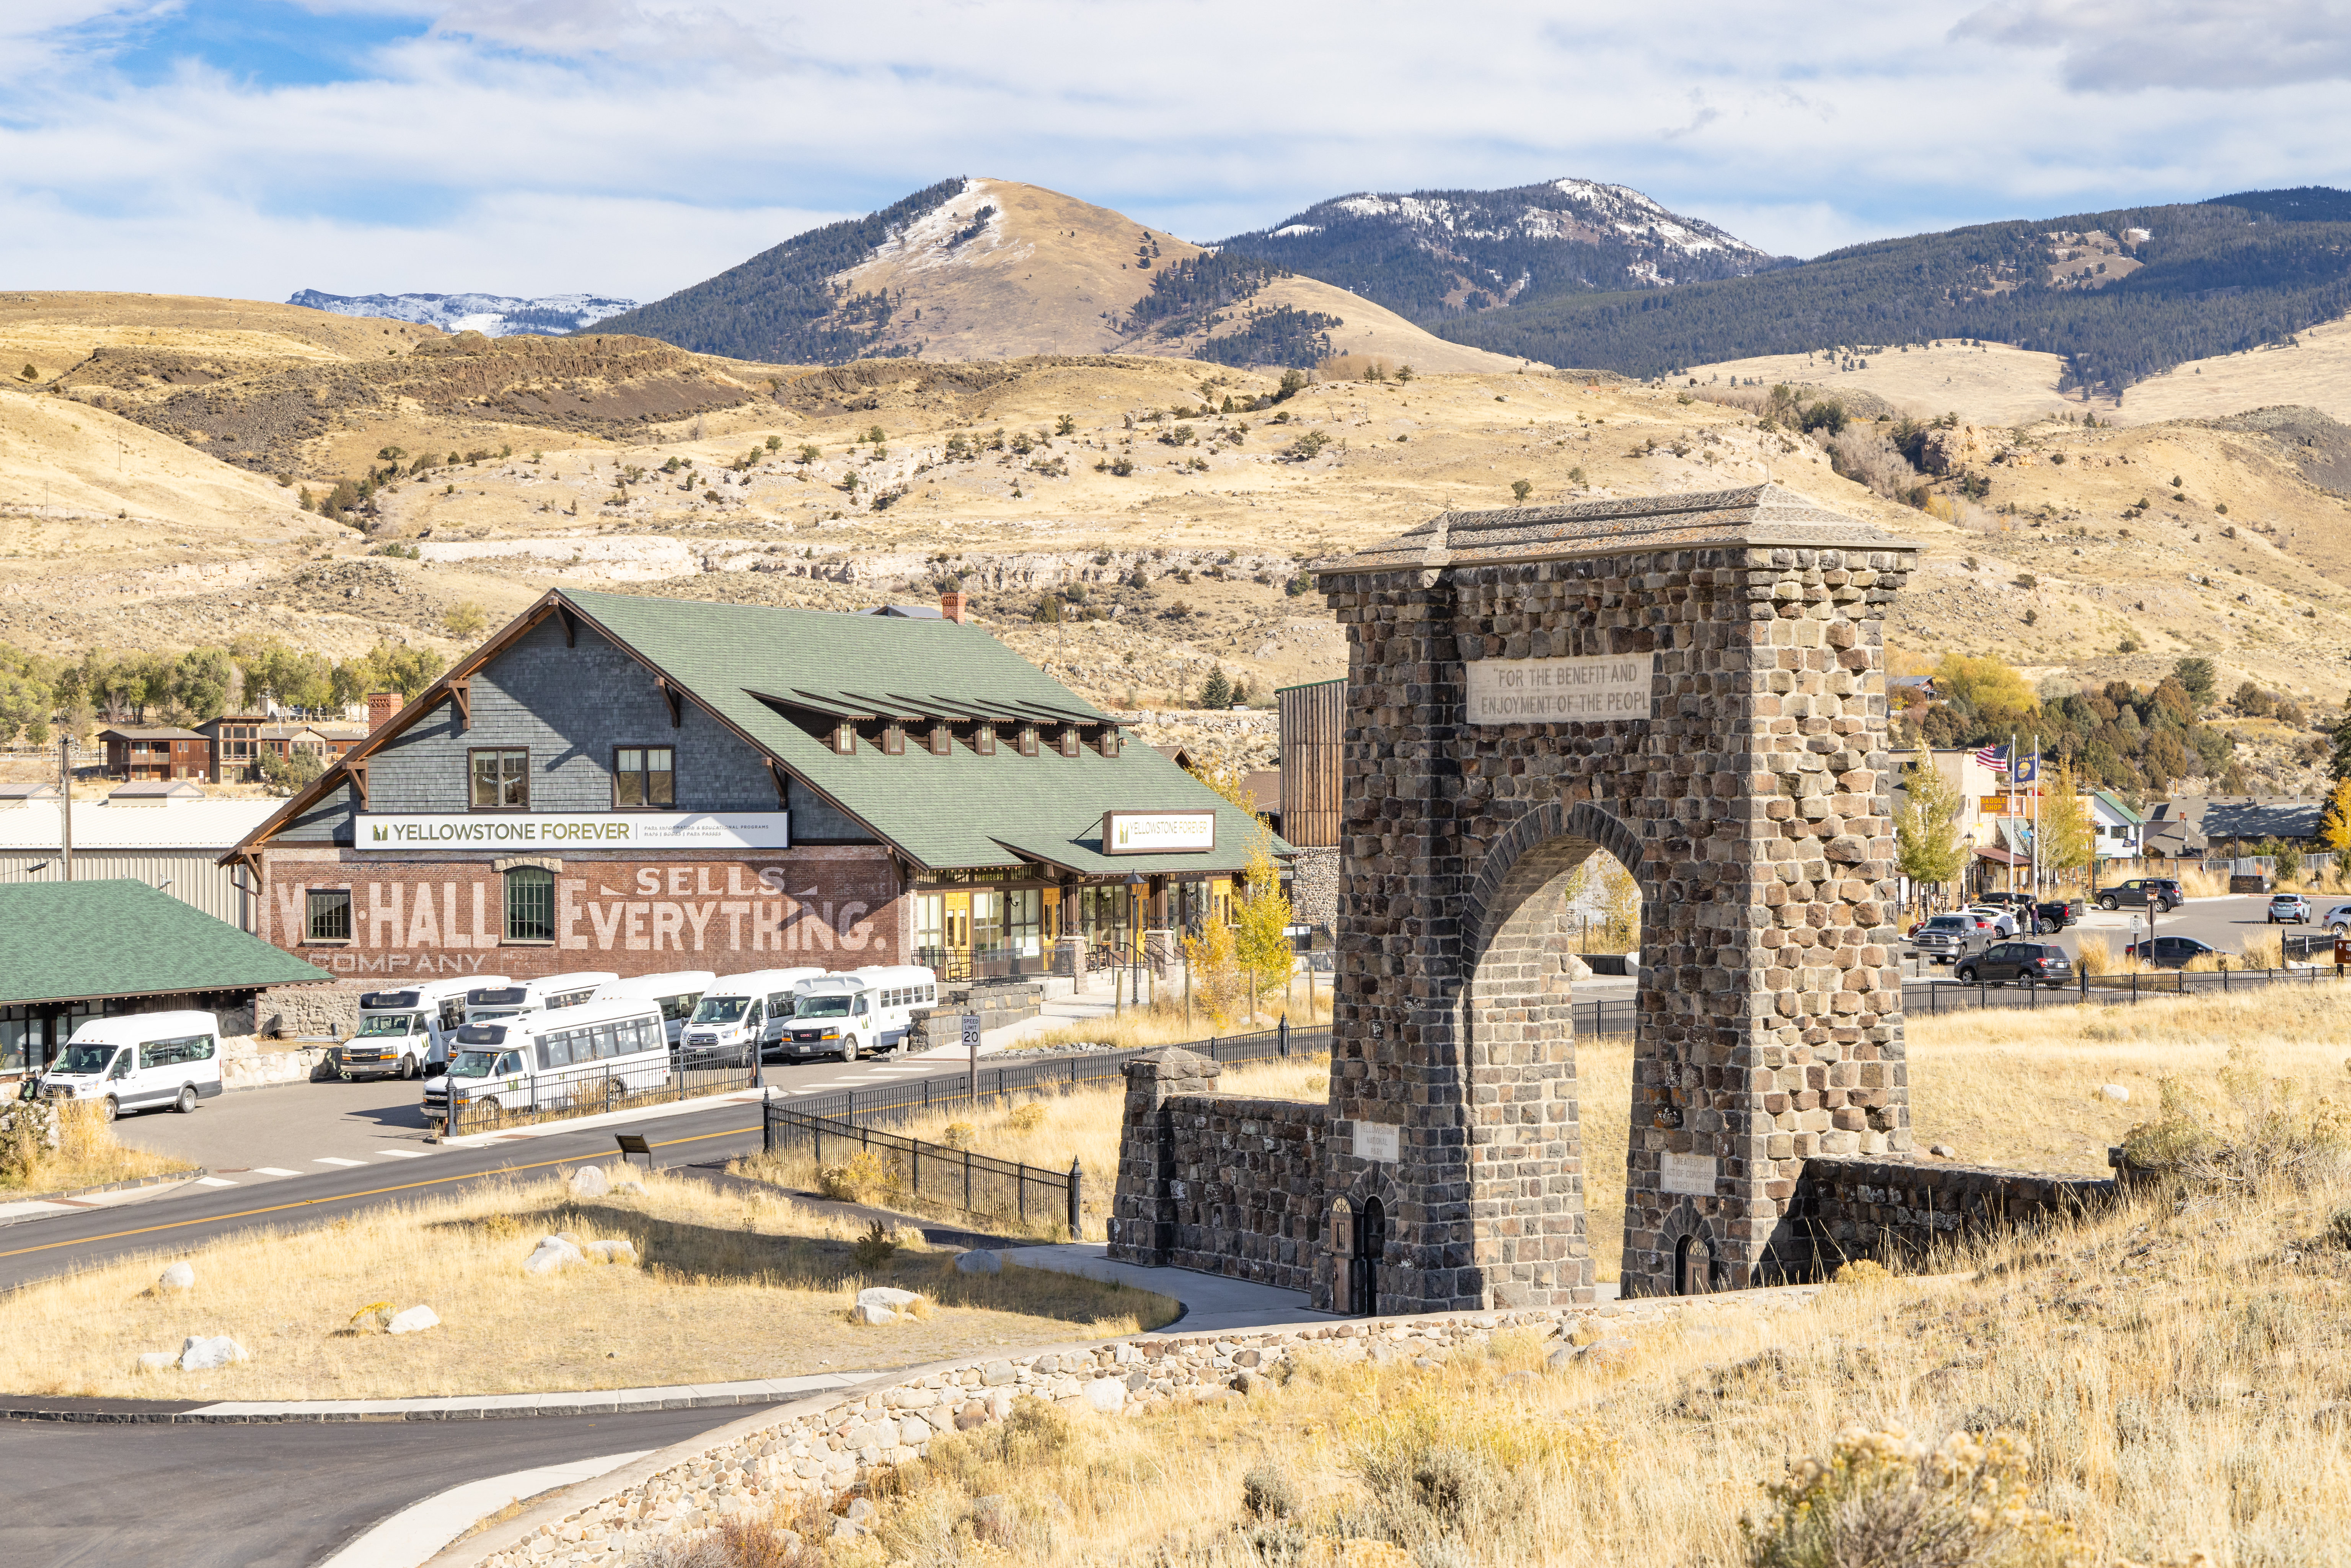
(1694, 683)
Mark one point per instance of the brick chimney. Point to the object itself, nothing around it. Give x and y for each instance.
(951, 607)
(381, 705)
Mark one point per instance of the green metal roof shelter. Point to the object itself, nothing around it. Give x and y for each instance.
(66, 942)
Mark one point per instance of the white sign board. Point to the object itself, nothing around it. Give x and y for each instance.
(574, 830)
(1692, 1175)
(970, 1031)
(1159, 832)
(1560, 691)
(1379, 1141)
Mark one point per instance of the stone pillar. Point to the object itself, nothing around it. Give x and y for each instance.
(1694, 684)
(1162, 951)
(1070, 957)
(1143, 1216)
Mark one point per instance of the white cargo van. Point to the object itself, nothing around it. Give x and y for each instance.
(676, 994)
(141, 1062)
(738, 1010)
(487, 1004)
(547, 1059)
(407, 1031)
(846, 1014)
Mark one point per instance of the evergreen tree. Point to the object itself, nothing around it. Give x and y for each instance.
(1217, 692)
(2195, 675)
(2340, 768)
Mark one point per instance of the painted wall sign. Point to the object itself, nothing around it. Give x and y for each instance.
(1691, 1175)
(1379, 1141)
(574, 830)
(1559, 691)
(1159, 832)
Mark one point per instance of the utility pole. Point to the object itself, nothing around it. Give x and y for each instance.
(65, 796)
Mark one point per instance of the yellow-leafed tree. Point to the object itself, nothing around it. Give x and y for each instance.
(1261, 924)
(2334, 827)
(2066, 828)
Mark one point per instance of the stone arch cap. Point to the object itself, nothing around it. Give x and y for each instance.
(1769, 515)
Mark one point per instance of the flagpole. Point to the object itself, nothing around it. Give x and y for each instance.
(2012, 802)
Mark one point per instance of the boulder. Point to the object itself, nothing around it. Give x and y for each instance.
(616, 1250)
(158, 1361)
(551, 1254)
(1943, 1151)
(869, 1314)
(1107, 1395)
(887, 1296)
(1561, 1359)
(2116, 1093)
(1576, 968)
(202, 1355)
(589, 1181)
(978, 1262)
(413, 1321)
(178, 1277)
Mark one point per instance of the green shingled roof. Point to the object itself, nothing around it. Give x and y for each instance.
(68, 941)
(774, 672)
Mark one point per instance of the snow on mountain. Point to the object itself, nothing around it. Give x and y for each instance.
(493, 314)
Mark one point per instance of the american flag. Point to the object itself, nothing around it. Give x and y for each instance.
(1994, 758)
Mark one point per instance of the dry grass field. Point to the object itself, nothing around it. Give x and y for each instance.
(86, 1155)
(729, 1286)
(2159, 1383)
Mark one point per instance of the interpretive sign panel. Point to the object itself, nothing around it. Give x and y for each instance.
(1560, 691)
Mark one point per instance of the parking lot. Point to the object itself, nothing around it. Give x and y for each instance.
(2225, 922)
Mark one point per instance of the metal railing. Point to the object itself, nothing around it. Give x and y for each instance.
(593, 1088)
(937, 1173)
(2111, 989)
(1053, 1075)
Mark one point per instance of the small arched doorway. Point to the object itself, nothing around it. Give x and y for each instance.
(1693, 1266)
(1343, 1253)
(1364, 1268)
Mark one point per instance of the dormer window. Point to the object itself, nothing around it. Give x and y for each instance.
(983, 740)
(894, 739)
(844, 739)
(941, 738)
(1109, 741)
(1028, 740)
(1069, 740)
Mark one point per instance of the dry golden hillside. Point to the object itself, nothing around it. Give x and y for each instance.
(622, 463)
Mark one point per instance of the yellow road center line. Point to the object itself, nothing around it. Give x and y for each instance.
(346, 1197)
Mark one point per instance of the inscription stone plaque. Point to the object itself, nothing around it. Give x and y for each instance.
(1378, 1141)
(1692, 1175)
(1559, 691)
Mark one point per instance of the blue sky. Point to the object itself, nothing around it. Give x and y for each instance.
(630, 147)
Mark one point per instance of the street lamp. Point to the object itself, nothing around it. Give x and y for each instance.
(1135, 885)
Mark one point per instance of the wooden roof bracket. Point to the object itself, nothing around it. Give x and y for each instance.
(570, 624)
(357, 766)
(776, 771)
(675, 698)
(461, 692)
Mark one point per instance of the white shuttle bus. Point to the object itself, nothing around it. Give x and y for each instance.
(676, 993)
(551, 1058)
(407, 1031)
(848, 1014)
(739, 1009)
(142, 1061)
(487, 1004)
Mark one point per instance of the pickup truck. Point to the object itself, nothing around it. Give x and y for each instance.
(1948, 939)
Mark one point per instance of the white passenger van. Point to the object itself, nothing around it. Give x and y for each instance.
(141, 1062)
(487, 1004)
(846, 1014)
(555, 1057)
(407, 1031)
(676, 993)
(737, 1009)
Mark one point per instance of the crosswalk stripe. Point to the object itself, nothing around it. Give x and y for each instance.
(331, 1160)
(213, 1181)
(274, 1170)
(404, 1154)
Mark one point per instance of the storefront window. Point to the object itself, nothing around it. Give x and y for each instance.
(1024, 922)
(986, 920)
(930, 922)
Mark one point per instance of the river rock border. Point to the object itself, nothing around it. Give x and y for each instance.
(831, 1448)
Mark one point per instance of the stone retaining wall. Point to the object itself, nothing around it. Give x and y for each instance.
(830, 1450)
(1845, 1208)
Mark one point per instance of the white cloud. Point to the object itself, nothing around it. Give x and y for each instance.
(2128, 46)
(633, 147)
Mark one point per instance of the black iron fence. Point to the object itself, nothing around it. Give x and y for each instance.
(1945, 996)
(906, 1169)
(595, 1088)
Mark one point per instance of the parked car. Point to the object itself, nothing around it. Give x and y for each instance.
(2159, 893)
(2337, 919)
(2001, 919)
(1945, 938)
(2289, 908)
(2026, 963)
(2052, 915)
(2171, 952)
(2017, 901)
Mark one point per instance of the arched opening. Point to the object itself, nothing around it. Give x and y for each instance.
(1563, 880)
(1693, 1266)
(1371, 1247)
(1342, 1248)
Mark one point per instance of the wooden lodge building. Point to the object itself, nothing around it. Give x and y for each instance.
(638, 784)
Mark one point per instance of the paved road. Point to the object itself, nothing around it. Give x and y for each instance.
(282, 1496)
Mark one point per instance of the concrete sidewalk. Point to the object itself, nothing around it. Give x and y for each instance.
(1212, 1303)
